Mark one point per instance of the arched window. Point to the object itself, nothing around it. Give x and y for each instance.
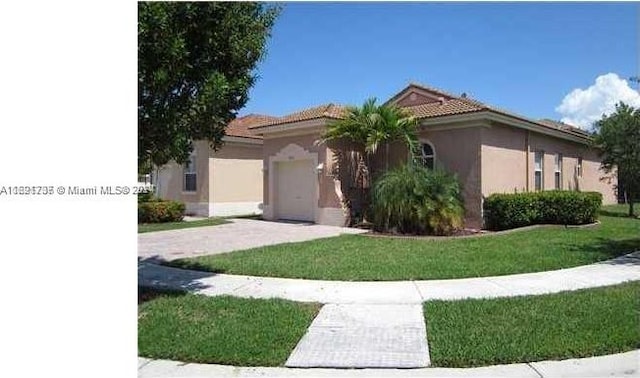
(428, 155)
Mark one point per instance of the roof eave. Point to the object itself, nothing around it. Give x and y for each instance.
(536, 127)
(293, 125)
(492, 115)
(242, 139)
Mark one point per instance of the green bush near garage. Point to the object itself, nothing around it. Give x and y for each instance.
(147, 196)
(506, 211)
(155, 210)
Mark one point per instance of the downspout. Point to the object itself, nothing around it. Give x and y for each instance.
(526, 143)
(156, 186)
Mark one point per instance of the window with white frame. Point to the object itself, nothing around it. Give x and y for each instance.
(427, 155)
(538, 174)
(579, 167)
(558, 171)
(189, 183)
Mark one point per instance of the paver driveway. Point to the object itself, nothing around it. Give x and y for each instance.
(240, 234)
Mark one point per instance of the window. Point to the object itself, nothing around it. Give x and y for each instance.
(144, 179)
(428, 155)
(538, 171)
(579, 167)
(558, 171)
(189, 184)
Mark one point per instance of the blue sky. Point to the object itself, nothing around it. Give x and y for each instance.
(524, 57)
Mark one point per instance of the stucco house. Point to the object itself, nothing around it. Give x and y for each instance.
(489, 149)
(219, 183)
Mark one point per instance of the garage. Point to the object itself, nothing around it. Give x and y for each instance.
(295, 190)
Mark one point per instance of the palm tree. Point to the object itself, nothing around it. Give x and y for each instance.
(360, 134)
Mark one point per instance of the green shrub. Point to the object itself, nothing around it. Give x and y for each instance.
(414, 200)
(159, 211)
(146, 197)
(505, 211)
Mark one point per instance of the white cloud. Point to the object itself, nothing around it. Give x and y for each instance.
(583, 107)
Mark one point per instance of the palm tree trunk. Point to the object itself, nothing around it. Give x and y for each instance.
(386, 156)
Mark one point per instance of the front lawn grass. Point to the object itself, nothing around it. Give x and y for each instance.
(152, 227)
(362, 258)
(525, 329)
(221, 330)
(620, 210)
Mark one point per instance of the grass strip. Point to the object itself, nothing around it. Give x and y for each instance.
(222, 330)
(525, 329)
(153, 227)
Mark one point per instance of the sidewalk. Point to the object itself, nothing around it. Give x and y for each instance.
(610, 272)
(381, 324)
(618, 365)
(364, 336)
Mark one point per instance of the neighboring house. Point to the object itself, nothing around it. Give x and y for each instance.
(219, 183)
(490, 150)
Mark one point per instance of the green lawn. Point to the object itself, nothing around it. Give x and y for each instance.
(620, 210)
(222, 330)
(151, 227)
(525, 329)
(355, 257)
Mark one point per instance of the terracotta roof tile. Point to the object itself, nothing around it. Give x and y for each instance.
(323, 111)
(448, 107)
(239, 127)
(458, 105)
(562, 126)
(449, 104)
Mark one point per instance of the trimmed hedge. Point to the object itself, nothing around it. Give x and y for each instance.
(505, 211)
(160, 211)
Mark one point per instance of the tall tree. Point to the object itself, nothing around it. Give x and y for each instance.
(196, 64)
(618, 138)
(360, 134)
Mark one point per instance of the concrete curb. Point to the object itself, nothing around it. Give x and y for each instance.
(619, 270)
(621, 364)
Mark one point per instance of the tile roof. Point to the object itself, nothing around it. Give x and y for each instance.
(448, 105)
(458, 105)
(240, 126)
(562, 126)
(427, 88)
(323, 111)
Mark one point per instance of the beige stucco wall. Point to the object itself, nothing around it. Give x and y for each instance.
(171, 176)
(595, 179)
(487, 158)
(457, 151)
(415, 99)
(228, 181)
(236, 173)
(505, 161)
(551, 147)
(591, 176)
(493, 159)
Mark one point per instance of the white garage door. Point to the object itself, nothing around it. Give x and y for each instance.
(295, 190)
